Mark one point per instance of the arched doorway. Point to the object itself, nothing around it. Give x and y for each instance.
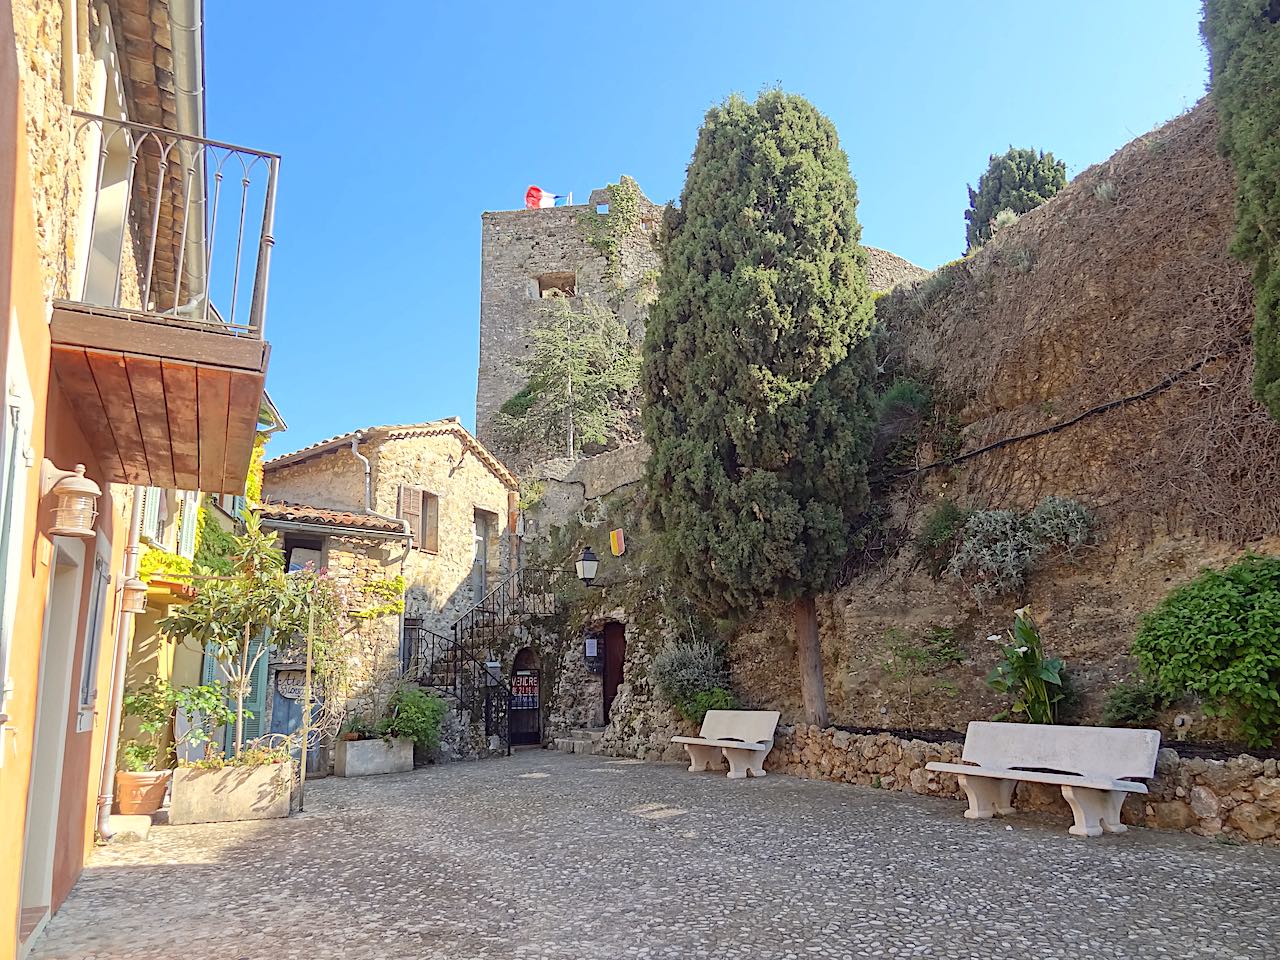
(615, 653)
(526, 704)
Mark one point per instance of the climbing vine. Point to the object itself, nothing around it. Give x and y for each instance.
(607, 231)
(385, 596)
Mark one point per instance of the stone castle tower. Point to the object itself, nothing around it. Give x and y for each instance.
(604, 249)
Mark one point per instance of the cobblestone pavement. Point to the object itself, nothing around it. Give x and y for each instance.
(546, 855)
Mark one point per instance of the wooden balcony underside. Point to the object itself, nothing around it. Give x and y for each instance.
(164, 414)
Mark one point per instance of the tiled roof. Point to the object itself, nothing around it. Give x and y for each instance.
(301, 513)
(450, 425)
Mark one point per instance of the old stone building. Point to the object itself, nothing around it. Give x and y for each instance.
(424, 508)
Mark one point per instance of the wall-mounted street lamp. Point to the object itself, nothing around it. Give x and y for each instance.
(587, 565)
(77, 496)
(135, 596)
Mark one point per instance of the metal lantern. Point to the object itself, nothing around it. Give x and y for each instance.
(135, 596)
(587, 565)
(77, 506)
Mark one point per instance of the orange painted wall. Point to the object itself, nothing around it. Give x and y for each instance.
(54, 434)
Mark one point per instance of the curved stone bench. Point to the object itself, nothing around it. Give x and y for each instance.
(743, 737)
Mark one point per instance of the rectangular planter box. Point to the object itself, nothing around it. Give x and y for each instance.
(231, 793)
(366, 758)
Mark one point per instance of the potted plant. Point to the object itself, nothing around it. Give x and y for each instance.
(365, 748)
(140, 787)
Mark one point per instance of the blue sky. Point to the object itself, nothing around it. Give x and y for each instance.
(399, 123)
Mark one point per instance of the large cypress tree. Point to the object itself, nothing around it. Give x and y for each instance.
(1018, 180)
(1244, 63)
(756, 371)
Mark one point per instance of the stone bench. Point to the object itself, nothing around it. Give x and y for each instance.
(1092, 765)
(743, 737)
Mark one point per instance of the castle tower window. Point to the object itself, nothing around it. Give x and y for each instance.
(557, 285)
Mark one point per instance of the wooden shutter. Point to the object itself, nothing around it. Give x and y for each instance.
(255, 700)
(188, 521)
(151, 512)
(430, 522)
(409, 508)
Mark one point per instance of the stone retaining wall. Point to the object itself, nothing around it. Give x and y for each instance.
(1238, 798)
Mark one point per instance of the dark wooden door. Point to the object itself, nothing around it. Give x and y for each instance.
(615, 652)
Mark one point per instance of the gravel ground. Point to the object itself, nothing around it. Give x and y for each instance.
(547, 855)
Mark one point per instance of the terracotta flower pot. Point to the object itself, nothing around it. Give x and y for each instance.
(141, 792)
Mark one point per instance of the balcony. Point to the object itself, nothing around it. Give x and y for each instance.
(167, 386)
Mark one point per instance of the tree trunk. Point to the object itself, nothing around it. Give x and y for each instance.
(240, 684)
(809, 655)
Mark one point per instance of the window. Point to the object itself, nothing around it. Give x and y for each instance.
(153, 503)
(93, 631)
(557, 285)
(301, 554)
(421, 508)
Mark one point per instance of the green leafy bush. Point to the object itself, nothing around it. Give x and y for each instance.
(1133, 703)
(415, 714)
(1243, 37)
(937, 537)
(1034, 681)
(1218, 637)
(695, 708)
(904, 395)
(1018, 180)
(999, 547)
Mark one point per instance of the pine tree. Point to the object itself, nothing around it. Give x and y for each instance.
(582, 369)
(1019, 180)
(756, 376)
(1243, 37)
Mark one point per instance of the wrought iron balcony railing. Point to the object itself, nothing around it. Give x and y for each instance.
(180, 227)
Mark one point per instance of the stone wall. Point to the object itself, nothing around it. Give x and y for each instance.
(440, 586)
(333, 480)
(374, 642)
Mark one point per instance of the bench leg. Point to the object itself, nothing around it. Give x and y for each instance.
(701, 756)
(743, 762)
(987, 797)
(1095, 811)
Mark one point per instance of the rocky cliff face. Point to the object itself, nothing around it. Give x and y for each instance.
(1098, 349)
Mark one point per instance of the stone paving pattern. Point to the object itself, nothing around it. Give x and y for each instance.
(545, 855)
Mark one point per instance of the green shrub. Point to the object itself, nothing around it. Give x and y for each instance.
(1243, 37)
(1034, 681)
(695, 708)
(415, 714)
(1218, 637)
(684, 668)
(1004, 218)
(1132, 703)
(999, 547)
(903, 396)
(1019, 180)
(937, 538)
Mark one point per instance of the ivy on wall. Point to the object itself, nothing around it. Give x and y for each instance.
(607, 231)
(385, 597)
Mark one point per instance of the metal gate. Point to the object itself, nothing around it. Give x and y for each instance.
(526, 708)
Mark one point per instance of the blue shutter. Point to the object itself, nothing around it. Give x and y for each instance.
(255, 701)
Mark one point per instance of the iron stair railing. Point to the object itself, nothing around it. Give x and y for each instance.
(459, 665)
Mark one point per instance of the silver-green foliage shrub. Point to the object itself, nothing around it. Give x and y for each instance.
(687, 667)
(999, 547)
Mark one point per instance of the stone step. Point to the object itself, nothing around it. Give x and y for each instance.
(575, 745)
(587, 733)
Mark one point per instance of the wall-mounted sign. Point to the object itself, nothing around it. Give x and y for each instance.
(592, 646)
(616, 542)
(291, 684)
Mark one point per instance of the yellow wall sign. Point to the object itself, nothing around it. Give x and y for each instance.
(616, 543)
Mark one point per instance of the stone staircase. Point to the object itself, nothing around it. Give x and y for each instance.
(582, 740)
